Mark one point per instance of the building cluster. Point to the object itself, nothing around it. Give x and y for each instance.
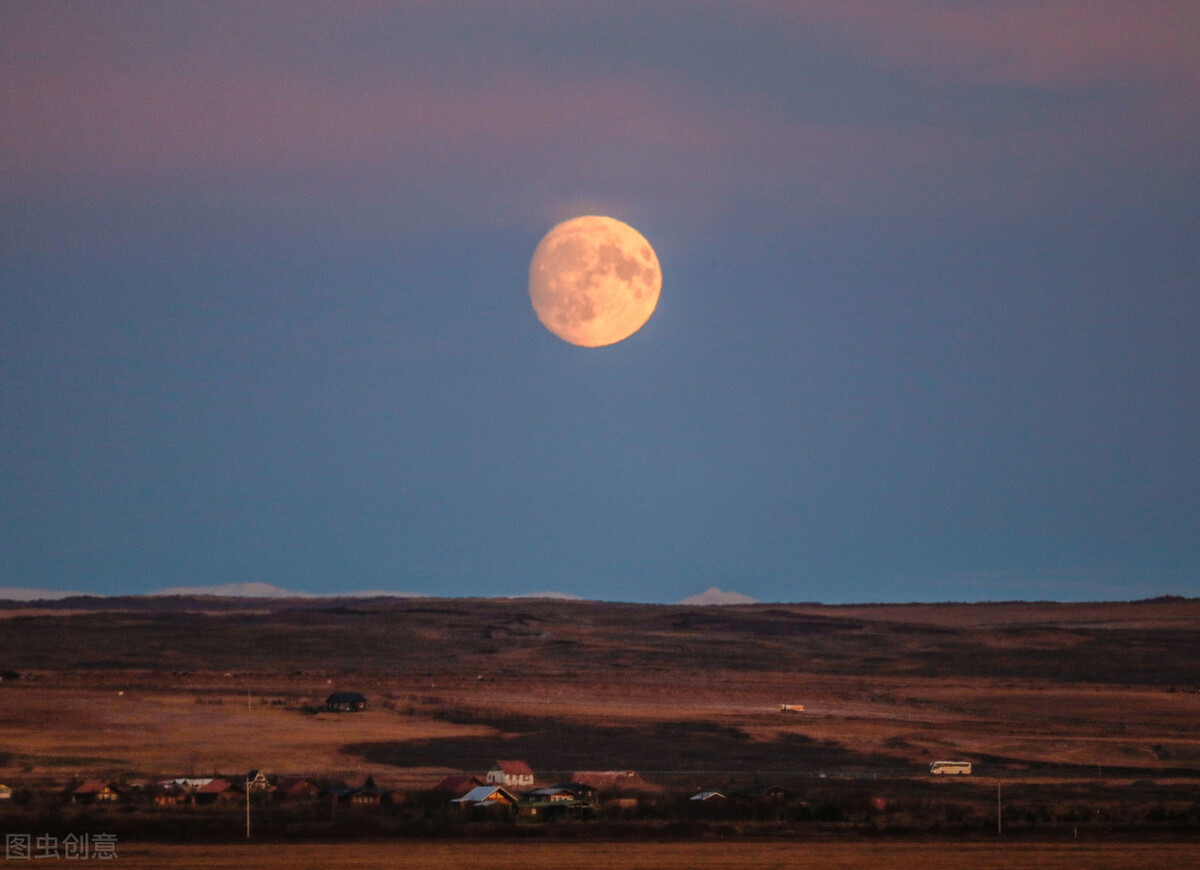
(509, 788)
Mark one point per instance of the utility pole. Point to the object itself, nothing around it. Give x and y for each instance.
(998, 816)
(247, 808)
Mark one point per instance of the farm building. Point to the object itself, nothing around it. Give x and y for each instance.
(297, 788)
(258, 781)
(367, 796)
(345, 702)
(487, 799)
(95, 791)
(553, 794)
(511, 774)
(218, 791)
(171, 796)
(581, 790)
(555, 811)
(187, 783)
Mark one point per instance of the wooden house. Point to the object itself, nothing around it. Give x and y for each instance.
(367, 796)
(511, 774)
(95, 791)
(551, 794)
(555, 811)
(297, 788)
(492, 798)
(218, 791)
(171, 796)
(258, 781)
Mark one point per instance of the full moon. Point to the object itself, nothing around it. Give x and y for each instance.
(594, 281)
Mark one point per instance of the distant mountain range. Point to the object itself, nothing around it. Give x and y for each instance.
(266, 590)
(18, 593)
(713, 595)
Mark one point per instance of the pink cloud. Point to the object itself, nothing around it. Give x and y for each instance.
(1139, 60)
(97, 105)
(1047, 43)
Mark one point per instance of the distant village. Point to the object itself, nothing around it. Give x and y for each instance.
(510, 790)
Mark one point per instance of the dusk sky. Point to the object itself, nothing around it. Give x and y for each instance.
(929, 325)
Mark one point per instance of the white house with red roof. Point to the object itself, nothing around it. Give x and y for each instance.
(511, 774)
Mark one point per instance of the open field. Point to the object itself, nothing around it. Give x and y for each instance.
(665, 856)
(1084, 715)
(178, 688)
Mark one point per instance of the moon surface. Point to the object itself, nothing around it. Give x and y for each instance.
(594, 281)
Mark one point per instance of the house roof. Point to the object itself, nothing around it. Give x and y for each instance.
(186, 782)
(546, 792)
(458, 784)
(346, 697)
(296, 784)
(92, 786)
(481, 793)
(215, 786)
(515, 768)
(707, 795)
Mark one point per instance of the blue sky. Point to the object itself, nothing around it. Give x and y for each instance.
(928, 326)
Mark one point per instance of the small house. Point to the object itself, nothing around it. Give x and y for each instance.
(5, 792)
(218, 791)
(170, 796)
(187, 783)
(367, 796)
(297, 788)
(511, 774)
(581, 790)
(551, 794)
(489, 798)
(258, 781)
(555, 811)
(95, 791)
(345, 702)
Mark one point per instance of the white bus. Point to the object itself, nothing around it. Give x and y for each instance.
(950, 768)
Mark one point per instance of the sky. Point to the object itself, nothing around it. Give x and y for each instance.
(928, 325)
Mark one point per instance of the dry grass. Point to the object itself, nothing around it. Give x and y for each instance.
(1086, 684)
(665, 856)
(71, 731)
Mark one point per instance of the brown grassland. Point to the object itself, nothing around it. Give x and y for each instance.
(1084, 715)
